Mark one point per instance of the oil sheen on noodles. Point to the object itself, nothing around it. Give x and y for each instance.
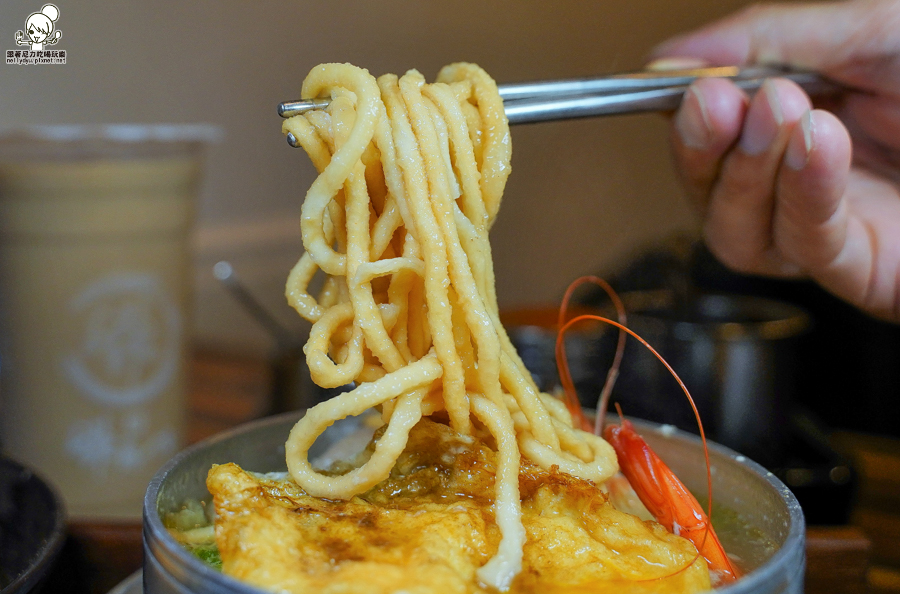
(410, 180)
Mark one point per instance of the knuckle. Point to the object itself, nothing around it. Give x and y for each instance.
(730, 251)
(696, 172)
(736, 184)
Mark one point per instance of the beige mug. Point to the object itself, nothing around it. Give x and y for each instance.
(94, 291)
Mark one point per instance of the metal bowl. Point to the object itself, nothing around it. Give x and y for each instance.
(32, 528)
(735, 353)
(769, 538)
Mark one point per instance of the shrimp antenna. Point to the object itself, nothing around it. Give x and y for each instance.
(562, 362)
(687, 393)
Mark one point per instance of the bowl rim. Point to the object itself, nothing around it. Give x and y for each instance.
(158, 539)
(156, 536)
(778, 320)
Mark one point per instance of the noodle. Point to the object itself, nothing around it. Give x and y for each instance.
(411, 176)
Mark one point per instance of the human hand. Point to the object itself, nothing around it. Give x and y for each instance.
(788, 190)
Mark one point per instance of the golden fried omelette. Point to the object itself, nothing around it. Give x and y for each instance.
(429, 526)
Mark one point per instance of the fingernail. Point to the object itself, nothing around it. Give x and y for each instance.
(692, 121)
(762, 125)
(797, 154)
(675, 64)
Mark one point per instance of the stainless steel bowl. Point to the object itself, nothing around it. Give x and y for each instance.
(769, 537)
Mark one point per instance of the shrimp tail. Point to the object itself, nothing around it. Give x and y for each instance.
(667, 498)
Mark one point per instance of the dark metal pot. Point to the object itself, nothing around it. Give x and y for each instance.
(770, 540)
(32, 528)
(736, 354)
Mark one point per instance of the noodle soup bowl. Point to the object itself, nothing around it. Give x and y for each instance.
(757, 518)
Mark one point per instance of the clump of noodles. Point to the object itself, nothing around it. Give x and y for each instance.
(410, 180)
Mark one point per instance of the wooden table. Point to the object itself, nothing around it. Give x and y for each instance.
(226, 391)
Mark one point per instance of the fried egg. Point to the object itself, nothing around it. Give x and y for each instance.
(430, 525)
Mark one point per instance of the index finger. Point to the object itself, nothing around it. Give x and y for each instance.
(847, 41)
(705, 127)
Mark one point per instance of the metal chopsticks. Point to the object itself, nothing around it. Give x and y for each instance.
(634, 92)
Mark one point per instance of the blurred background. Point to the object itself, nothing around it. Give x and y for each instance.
(583, 195)
(588, 196)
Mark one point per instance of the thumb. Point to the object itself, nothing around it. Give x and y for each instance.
(853, 42)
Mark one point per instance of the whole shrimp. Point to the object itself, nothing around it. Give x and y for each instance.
(664, 496)
(667, 498)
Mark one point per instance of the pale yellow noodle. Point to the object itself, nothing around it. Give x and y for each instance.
(297, 289)
(323, 370)
(406, 385)
(428, 234)
(496, 147)
(343, 161)
(411, 179)
(330, 293)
